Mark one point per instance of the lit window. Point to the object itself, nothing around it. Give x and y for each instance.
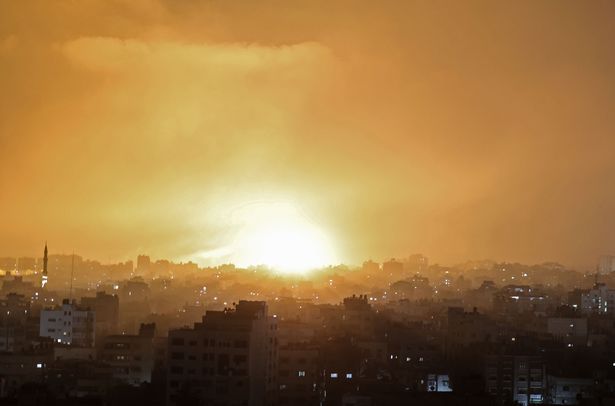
(39, 365)
(301, 373)
(333, 374)
(348, 376)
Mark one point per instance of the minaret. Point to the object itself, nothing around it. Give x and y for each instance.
(44, 278)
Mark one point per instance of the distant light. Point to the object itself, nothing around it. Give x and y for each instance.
(348, 376)
(333, 374)
(39, 365)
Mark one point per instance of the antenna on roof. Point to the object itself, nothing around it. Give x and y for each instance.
(72, 269)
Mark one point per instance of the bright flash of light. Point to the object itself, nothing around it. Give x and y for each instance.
(280, 236)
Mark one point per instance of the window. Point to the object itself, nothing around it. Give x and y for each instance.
(301, 373)
(177, 341)
(349, 376)
(333, 375)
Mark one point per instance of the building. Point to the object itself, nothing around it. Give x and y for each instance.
(144, 263)
(438, 383)
(25, 264)
(132, 357)
(393, 269)
(17, 369)
(569, 391)
(370, 267)
(8, 264)
(467, 328)
(358, 317)
(107, 310)
(299, 375)
(516, 378)
(14, 317)
(569, 330)
(229, 358)
(68, 324)
(606, 264)
(600, 300)
(518, 299)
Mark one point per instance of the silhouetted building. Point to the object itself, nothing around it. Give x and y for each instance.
(299, 375)
(229, 358)
(14, 316)
(569, 330)
(132, 357)
(107, 310)
(516, 378)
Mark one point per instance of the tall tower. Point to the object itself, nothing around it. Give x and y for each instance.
(44, 277)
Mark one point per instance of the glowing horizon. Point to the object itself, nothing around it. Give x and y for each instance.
(457, 130)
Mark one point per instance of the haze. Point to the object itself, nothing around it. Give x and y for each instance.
(460, 130)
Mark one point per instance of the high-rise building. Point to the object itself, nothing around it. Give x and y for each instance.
(229, 358)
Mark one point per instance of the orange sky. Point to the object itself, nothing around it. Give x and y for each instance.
(462, 130)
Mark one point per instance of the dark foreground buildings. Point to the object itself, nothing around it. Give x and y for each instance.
(479, 334)
(230, 358)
